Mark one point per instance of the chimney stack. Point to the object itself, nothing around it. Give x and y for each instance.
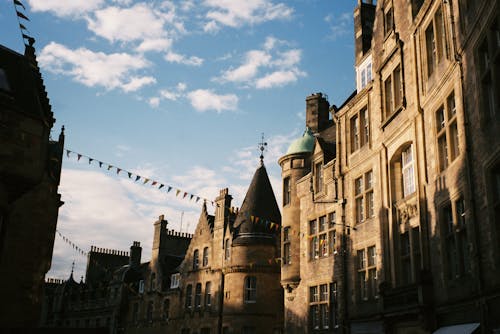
(135, 254)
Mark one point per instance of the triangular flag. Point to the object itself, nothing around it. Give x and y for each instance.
(137, 178)
(191, 197)
(21, 15)
(129, 175)
(161, 186)
(22, 26)
(252, 218)
(118, 170)
(100, 164)
(18, 3)
(154, 183)
(26, 36)
(90, 160)
(169, 188)
(272, 225)
(257, 219)
(197, 199)
(185, 194)
(79, 157)
(177, 191)
(67, 153)
(213, 203)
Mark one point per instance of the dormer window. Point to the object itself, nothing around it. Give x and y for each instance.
(175, 280)
(364, 73)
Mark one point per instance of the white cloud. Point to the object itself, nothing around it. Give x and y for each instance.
(154, 102)
(139, 22)
(111, 71)
(173, 57)
(65, 8)
(253, 60)
(236, 13)
(205, 99)
(267, 68)
(278, 78)
(169, 95)
(211, 27)
(156, 44)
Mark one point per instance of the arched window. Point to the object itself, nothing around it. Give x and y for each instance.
(189, 296)
(205, 256)
(197, 296)
(408, 171)
(227, 253)
(196, 260)
(403, 173)
(208, 294)
(250, 289)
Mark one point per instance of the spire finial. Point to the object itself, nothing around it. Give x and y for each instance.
(262, 148)
(72, 269)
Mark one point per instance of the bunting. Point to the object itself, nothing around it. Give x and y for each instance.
(17, 5)
(145, 180)
(71, 243)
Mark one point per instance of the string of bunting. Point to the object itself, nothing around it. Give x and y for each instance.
(24, 31)
(136, 177)
(72, 244)
(273, 226)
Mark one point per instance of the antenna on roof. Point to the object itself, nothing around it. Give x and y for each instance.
(262, 148)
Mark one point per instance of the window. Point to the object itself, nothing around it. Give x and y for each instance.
(454, 235)
(435, 42)
(166, 309)
(197, 296)
(320, 300)
(205, 256)
(286, 191)
(4, 83)
(149, 313)
(208, 294)
(489, 70)
(388, 20)
(196, 260)
(318, 169)
(287, 256)
(141, 286)
(447, 133)
(189, 296)
(152, 283)
(393, 92)
(409, 256)
(363, 194)
(364, 73)
(367, 273)
(408, 171)
(250, 293)
(360, 130)
(227, 250)
(322, 236)
(175, 280)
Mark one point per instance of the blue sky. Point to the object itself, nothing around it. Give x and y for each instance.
(177, 91)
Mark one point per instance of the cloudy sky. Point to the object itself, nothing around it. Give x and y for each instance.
(178, 92)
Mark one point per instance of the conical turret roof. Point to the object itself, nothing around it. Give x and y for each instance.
(259, 217)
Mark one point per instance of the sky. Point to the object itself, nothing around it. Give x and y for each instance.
(179, 92)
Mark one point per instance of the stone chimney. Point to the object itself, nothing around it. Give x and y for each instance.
(135, 254)
(364, 16)
(317, 112)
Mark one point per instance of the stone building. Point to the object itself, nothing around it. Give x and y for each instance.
(117, 284)
(30, 167)
(229, 281)
(391, 201)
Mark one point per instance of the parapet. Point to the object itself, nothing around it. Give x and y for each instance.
(174, 233)
(109, 251)
(54, 280)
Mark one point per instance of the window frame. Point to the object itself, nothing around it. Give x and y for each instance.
(391, 84)
(250, 290)
(367, 288)
(287, 191)
(321, 299)
(205, 257)
(364, 201)
(447, 135)
(196, 259)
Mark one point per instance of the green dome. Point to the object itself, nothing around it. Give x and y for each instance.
(302, 144)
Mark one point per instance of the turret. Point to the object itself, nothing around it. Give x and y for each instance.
(294, 165)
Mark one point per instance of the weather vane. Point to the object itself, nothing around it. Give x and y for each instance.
(262, 148)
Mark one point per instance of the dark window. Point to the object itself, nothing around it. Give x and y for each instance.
(208, 294)
(149, 314)
(286, 191)
(189, 296)
(447, 133)
(250, 295)
(319, 177)
(197, 296)
(367, 273)
(227, 250)
(320, 302)
(205, 256)
(287, 256)
(388, 20)
(196, 259)
(166, 309)
(393, 92)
